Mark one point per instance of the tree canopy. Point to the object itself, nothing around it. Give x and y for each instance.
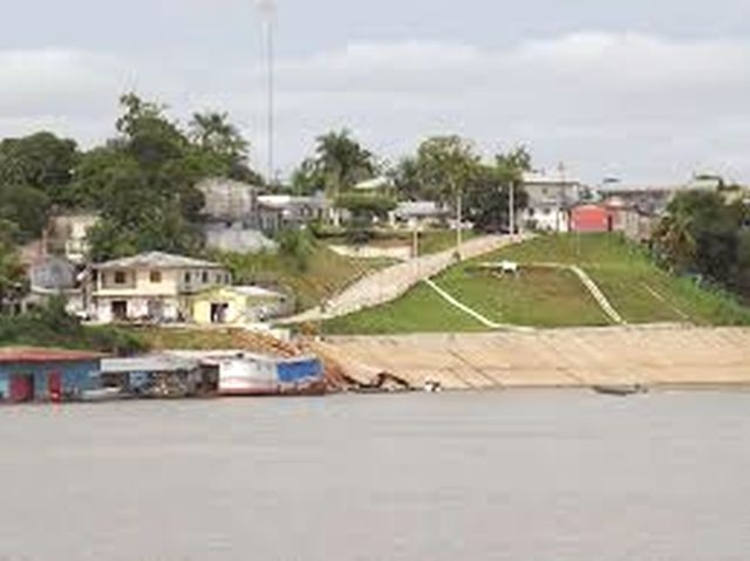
(339, 163)
(705, 235)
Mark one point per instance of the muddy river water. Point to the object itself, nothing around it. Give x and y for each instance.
(547, 475)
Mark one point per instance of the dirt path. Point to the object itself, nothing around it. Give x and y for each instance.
(391, 283)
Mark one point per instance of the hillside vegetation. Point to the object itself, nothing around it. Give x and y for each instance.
(543, 295)
(306, 268)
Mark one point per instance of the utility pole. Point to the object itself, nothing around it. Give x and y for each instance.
(512, 210)
(267, 10)
(459, 220)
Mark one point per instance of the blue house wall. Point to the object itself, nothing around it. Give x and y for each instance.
(76, 376)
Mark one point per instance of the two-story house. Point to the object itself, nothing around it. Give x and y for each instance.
(151, 286)
(550, 198)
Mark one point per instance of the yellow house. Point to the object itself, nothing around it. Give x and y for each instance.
(237, 305)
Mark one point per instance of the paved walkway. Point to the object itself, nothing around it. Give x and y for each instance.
(651, 355)
(391, 283)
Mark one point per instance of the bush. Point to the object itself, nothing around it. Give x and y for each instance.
(51, 326)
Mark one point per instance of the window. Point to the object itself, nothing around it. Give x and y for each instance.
(187, 277)
(120, 277)
(155, 276)
(204, 277)
(218, 278)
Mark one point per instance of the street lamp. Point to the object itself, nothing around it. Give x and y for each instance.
(267, 11)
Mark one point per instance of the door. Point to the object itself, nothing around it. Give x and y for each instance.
(21, 388)
(119, 310)
(156, 310)
(54, 387)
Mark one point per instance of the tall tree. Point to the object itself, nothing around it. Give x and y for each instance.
(488, 192)
(342, 162)
(12, 275)
(220, 149)
(445, 165)
(42, 161)
(147, 178)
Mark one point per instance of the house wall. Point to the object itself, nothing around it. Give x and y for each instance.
(546, 218)
(591, 218)
(76, 376)
(139, 307)
(241, 308)
(173, 282)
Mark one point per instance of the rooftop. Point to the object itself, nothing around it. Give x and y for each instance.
(148, 363)
(544, 178)
(157, 260)
(38, 354)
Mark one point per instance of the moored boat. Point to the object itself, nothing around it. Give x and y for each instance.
(619, 389)
(103, 394)
(252, 375)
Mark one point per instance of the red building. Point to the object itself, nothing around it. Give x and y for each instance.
(591, 218)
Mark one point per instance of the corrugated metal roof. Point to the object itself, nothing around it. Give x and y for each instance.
(157, 260)
(148, 363)
(38, 354)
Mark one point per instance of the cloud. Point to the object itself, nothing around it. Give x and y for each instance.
(648, 107)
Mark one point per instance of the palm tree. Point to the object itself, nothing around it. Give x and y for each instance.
(342, 161)
(674, 235)
(213, 131)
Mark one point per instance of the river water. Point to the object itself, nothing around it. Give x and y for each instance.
(537, 475)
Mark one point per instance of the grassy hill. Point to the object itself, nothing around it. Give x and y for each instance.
(314, 274)
(543, 296)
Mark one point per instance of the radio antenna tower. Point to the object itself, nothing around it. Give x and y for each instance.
(267, 11)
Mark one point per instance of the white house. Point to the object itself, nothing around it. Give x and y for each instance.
(550, 196)
(151, 286)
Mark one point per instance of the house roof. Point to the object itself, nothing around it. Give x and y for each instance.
(419, 208)
(38, 354)
(373, 184)
(157, 260)
(148, 363)
(288, 201)
(251, 291)
(551, 179)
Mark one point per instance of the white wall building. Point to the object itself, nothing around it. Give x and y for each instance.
(550, 197)
(152, 286)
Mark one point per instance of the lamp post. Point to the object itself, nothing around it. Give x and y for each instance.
(267, 11)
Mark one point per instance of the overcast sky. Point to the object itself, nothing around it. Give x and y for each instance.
(646, 90)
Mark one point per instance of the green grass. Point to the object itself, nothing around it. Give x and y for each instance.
(323, 273)
(639, 290)
(441, 240)
(538, 297)
(543, 297)
(421, 310)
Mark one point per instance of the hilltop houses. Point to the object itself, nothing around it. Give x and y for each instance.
(159, 287)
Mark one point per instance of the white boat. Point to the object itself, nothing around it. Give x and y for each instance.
(103, 394)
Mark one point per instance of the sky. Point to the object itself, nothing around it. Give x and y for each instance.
(649, 91)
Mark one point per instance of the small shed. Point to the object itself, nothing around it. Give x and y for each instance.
(39, 374)
(238, 305)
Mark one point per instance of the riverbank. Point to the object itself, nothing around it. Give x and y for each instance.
(652, 356)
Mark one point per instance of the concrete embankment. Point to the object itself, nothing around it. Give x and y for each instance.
(649, 355)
